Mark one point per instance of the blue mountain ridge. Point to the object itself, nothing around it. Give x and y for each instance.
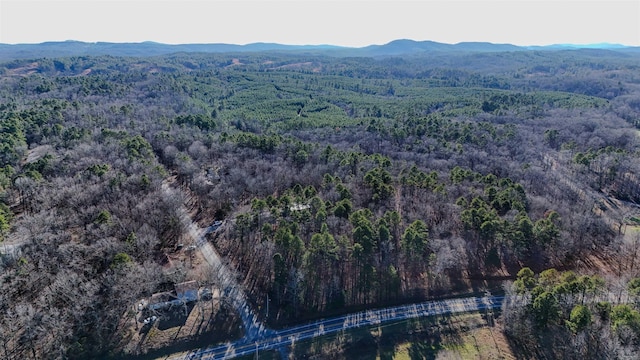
(149, 48)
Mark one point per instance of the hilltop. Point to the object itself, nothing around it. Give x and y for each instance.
(393, 48)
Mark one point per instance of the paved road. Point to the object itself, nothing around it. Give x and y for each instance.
(257, 337)
(276, 339)
(226, 279)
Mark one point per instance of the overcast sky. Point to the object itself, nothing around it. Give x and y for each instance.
(348, 23)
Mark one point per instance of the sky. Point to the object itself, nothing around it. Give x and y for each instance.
(354, 23)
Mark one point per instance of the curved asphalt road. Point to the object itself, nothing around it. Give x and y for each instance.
(275, 339)
(258, 337)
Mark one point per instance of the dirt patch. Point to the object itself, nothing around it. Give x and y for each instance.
(295, 65)
(38, 152)
(234, 62)
(198, 324)
(23, 70)
(599, 262)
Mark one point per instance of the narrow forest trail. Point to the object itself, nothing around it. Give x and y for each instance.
(398, 201)
(225, 277)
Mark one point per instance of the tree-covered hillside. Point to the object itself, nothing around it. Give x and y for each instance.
(343, 182)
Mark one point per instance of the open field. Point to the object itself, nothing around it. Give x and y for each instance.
(466, 336)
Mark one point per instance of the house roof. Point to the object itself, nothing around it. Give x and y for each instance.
(187, 290)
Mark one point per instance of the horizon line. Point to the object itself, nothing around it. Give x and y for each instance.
(594, 44)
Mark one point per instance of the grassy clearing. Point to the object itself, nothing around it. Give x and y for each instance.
(466, 336)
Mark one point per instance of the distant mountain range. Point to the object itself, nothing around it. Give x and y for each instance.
(393, 48)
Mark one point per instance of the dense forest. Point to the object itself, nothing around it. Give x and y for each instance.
(343, 182)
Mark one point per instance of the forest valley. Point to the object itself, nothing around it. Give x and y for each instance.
(343, 183)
